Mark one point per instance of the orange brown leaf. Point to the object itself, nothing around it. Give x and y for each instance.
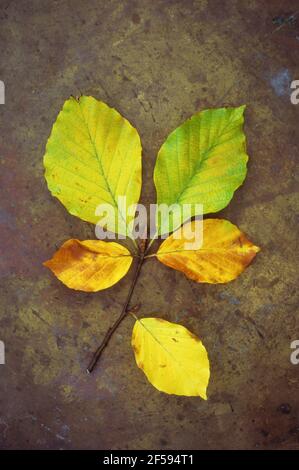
(90, 265)
(223, 255)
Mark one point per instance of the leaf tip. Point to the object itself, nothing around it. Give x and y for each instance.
(242, 108)
(47, 263)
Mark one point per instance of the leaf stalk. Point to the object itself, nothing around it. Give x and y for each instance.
(124, 312)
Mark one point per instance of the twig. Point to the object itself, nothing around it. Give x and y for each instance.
(286, 21)
(123, 314)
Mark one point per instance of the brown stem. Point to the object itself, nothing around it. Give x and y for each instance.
(123, 314)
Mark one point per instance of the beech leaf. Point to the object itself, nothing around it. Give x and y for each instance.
(173, 359)
(93, 156)
(203, 161)
(224, 254)
(90, 265)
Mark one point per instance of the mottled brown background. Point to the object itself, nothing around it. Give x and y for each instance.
(157, 62)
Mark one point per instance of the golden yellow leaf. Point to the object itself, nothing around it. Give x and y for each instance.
(173, 359)
(224, 254)
(90, 265)
(93, 157)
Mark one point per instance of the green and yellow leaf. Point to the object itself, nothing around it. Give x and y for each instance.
(223, 255)
(201, 162)
(90, 265)
(93, 156)
(173, 359)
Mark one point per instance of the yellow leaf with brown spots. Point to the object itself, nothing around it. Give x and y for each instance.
(223, 255)
(93, 160)
(90, 265)
(174, 360)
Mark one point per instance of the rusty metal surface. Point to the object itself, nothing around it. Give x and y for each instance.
(156, 62)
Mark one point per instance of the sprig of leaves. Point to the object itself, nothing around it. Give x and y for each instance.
(93, 156)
